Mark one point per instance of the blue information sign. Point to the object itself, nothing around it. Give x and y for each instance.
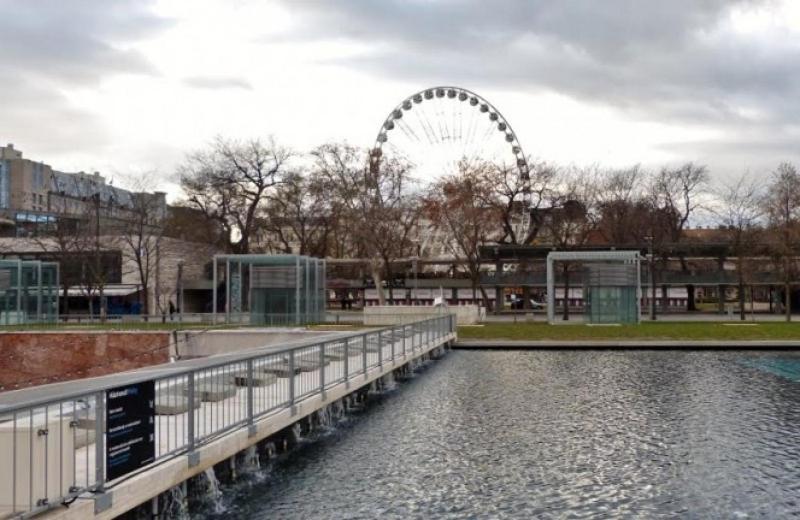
(130, 428)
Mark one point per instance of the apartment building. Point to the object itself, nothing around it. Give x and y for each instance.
(33, 196)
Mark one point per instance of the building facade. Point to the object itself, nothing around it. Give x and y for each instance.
(34, 196)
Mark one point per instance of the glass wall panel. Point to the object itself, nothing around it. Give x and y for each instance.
(610, 291)
(273, 289)
(28, 292)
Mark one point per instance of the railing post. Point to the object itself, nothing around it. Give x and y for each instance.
(380, 348)
(364, 354)
(392, 339)
(427, 333)
(322, 369)
(291, 381)
(405, 330)
(250, 405)
(99, 441)
(346, 362)
(191, 433)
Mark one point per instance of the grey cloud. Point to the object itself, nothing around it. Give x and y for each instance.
(48, 45)
(654, 60)
(217, 82)
(77, 42)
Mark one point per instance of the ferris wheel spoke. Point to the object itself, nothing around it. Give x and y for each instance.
(408, 130)
(442, 133)
(468, 140)
(454, 106)
(422, 120)
(444, 129)
(425, 120)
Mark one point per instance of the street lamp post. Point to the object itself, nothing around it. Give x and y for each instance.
(652, 278)
(179, 296)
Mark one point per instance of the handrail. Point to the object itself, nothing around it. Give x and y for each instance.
(200, 400)
(117, 379)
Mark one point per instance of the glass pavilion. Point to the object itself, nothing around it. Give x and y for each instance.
(269, 289)
(28, 291)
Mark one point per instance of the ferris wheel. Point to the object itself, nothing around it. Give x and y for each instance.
(438, 129)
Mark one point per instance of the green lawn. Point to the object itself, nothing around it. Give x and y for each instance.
(653, 331)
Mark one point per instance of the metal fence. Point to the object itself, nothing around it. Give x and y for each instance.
(188, 320)
(53, 447)
(152, 321)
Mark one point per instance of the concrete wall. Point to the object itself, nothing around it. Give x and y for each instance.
(163, 271)
(398, 314)
(36, 358)
(192, 344)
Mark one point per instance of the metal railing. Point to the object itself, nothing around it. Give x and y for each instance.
(156, 321)
(52, 447)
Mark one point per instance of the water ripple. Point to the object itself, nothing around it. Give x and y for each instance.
(557, 434)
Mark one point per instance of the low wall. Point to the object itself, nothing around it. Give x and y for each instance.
(399, 314)
(37, 358)
(193, 344)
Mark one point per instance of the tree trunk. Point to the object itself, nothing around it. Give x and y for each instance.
(102, 304)
(566, 293)
(65, 306)
(787, 298)
(690, 300)
(376, 277)
(485, 297)
(145, 300)
(390, 282)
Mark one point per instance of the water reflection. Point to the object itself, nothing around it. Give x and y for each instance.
(555, 434)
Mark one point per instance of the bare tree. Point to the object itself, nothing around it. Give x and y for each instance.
(507, 191)
(230, 183)
(572, 217)
(62, 242)
(675, 194)
(739, 212)
(374, 199)
(678, 192)
(95, 274)
(457, 206)
(622, 206)
(782, 207)
(141, 234)
(298, 217)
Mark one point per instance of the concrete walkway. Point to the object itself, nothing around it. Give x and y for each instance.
(479, 344)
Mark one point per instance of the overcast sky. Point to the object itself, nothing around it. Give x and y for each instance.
(132, 86)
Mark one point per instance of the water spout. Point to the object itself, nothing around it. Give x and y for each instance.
(175, 504)
(250, 460)
(271, 450)
(209, 490)
(297, 433)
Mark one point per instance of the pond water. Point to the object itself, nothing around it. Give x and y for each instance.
(554, 434)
